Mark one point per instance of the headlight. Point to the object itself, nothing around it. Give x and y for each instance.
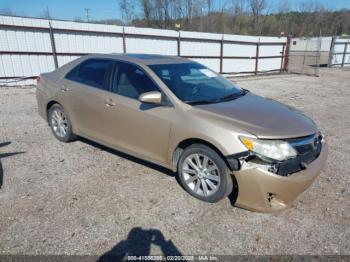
(274, 149)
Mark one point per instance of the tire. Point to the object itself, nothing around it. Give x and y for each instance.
(60, 124)
(194, 177)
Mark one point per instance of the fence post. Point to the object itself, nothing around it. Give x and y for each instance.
(124, 44)
(221, 54)
(257, 57)
(318, 57)
(53, 46)
(331, 51)
(344, 55)
(304, 55)
(179, 45)
(282, 58)
(287, 50)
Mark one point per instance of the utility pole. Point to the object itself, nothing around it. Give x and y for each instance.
(48, 12)
(87, 11)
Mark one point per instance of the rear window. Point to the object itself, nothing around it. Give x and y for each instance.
(92, 72)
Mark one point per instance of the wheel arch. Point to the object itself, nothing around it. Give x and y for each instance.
(182, 145)
(48, 106)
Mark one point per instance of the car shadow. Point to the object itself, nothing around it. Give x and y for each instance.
(232, 197)
(138, 243)
(3, 155)
(156, 167)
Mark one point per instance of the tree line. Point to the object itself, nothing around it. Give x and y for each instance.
(248, 17)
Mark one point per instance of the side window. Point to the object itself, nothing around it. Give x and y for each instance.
(165, 74)
(72, 75)
(130, 81)
(93, 72)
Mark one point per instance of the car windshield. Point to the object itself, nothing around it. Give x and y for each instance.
(193, 83)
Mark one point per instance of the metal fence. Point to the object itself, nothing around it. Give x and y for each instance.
(339, 55)
(30, 46)
(307, 54)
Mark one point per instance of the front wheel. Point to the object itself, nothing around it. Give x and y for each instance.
(60, 125)
(204, 174)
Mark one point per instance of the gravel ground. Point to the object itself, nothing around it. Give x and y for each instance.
(81, 198)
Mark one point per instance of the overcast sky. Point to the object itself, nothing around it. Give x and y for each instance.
(105, 9)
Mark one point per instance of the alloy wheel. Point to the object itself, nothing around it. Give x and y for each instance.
(201, 174)
(59, 122)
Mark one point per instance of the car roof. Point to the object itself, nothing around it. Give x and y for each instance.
(145, 59)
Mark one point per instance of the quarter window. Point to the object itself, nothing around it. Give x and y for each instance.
(72, 75)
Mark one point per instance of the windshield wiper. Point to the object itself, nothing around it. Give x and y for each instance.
(200, 102)
(218, 100)
(230, 97)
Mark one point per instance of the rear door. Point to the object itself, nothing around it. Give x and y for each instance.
(81, 95)
(135, 127)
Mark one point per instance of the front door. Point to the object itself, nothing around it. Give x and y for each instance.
(135, 127)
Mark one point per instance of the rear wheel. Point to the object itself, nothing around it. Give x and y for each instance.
(60, 125)
(204, 174)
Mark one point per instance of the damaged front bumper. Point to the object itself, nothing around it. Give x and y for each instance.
(261, 189)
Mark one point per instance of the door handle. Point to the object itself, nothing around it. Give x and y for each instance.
(110, 103)
(64, 89)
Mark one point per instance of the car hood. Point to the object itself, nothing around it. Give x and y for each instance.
(262, 117)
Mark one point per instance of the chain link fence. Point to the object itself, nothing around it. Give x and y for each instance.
(306, 56)
(339, 55)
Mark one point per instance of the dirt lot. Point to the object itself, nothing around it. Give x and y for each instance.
(79, 198)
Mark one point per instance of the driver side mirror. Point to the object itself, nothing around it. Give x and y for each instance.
(153, 97)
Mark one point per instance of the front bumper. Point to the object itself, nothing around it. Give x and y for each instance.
(260, 190)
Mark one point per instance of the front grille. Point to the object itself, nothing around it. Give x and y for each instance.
(304, 149)
(308, 149)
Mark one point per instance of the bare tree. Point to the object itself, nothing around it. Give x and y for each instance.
(209, 10)
(239, 10)
(313, 8)
(127, 8)
(166, 12)
(146, 8)
(309, 6)
(257, 7)
(240, 16)
(189, 9)
(283, 8)
(222, 16)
